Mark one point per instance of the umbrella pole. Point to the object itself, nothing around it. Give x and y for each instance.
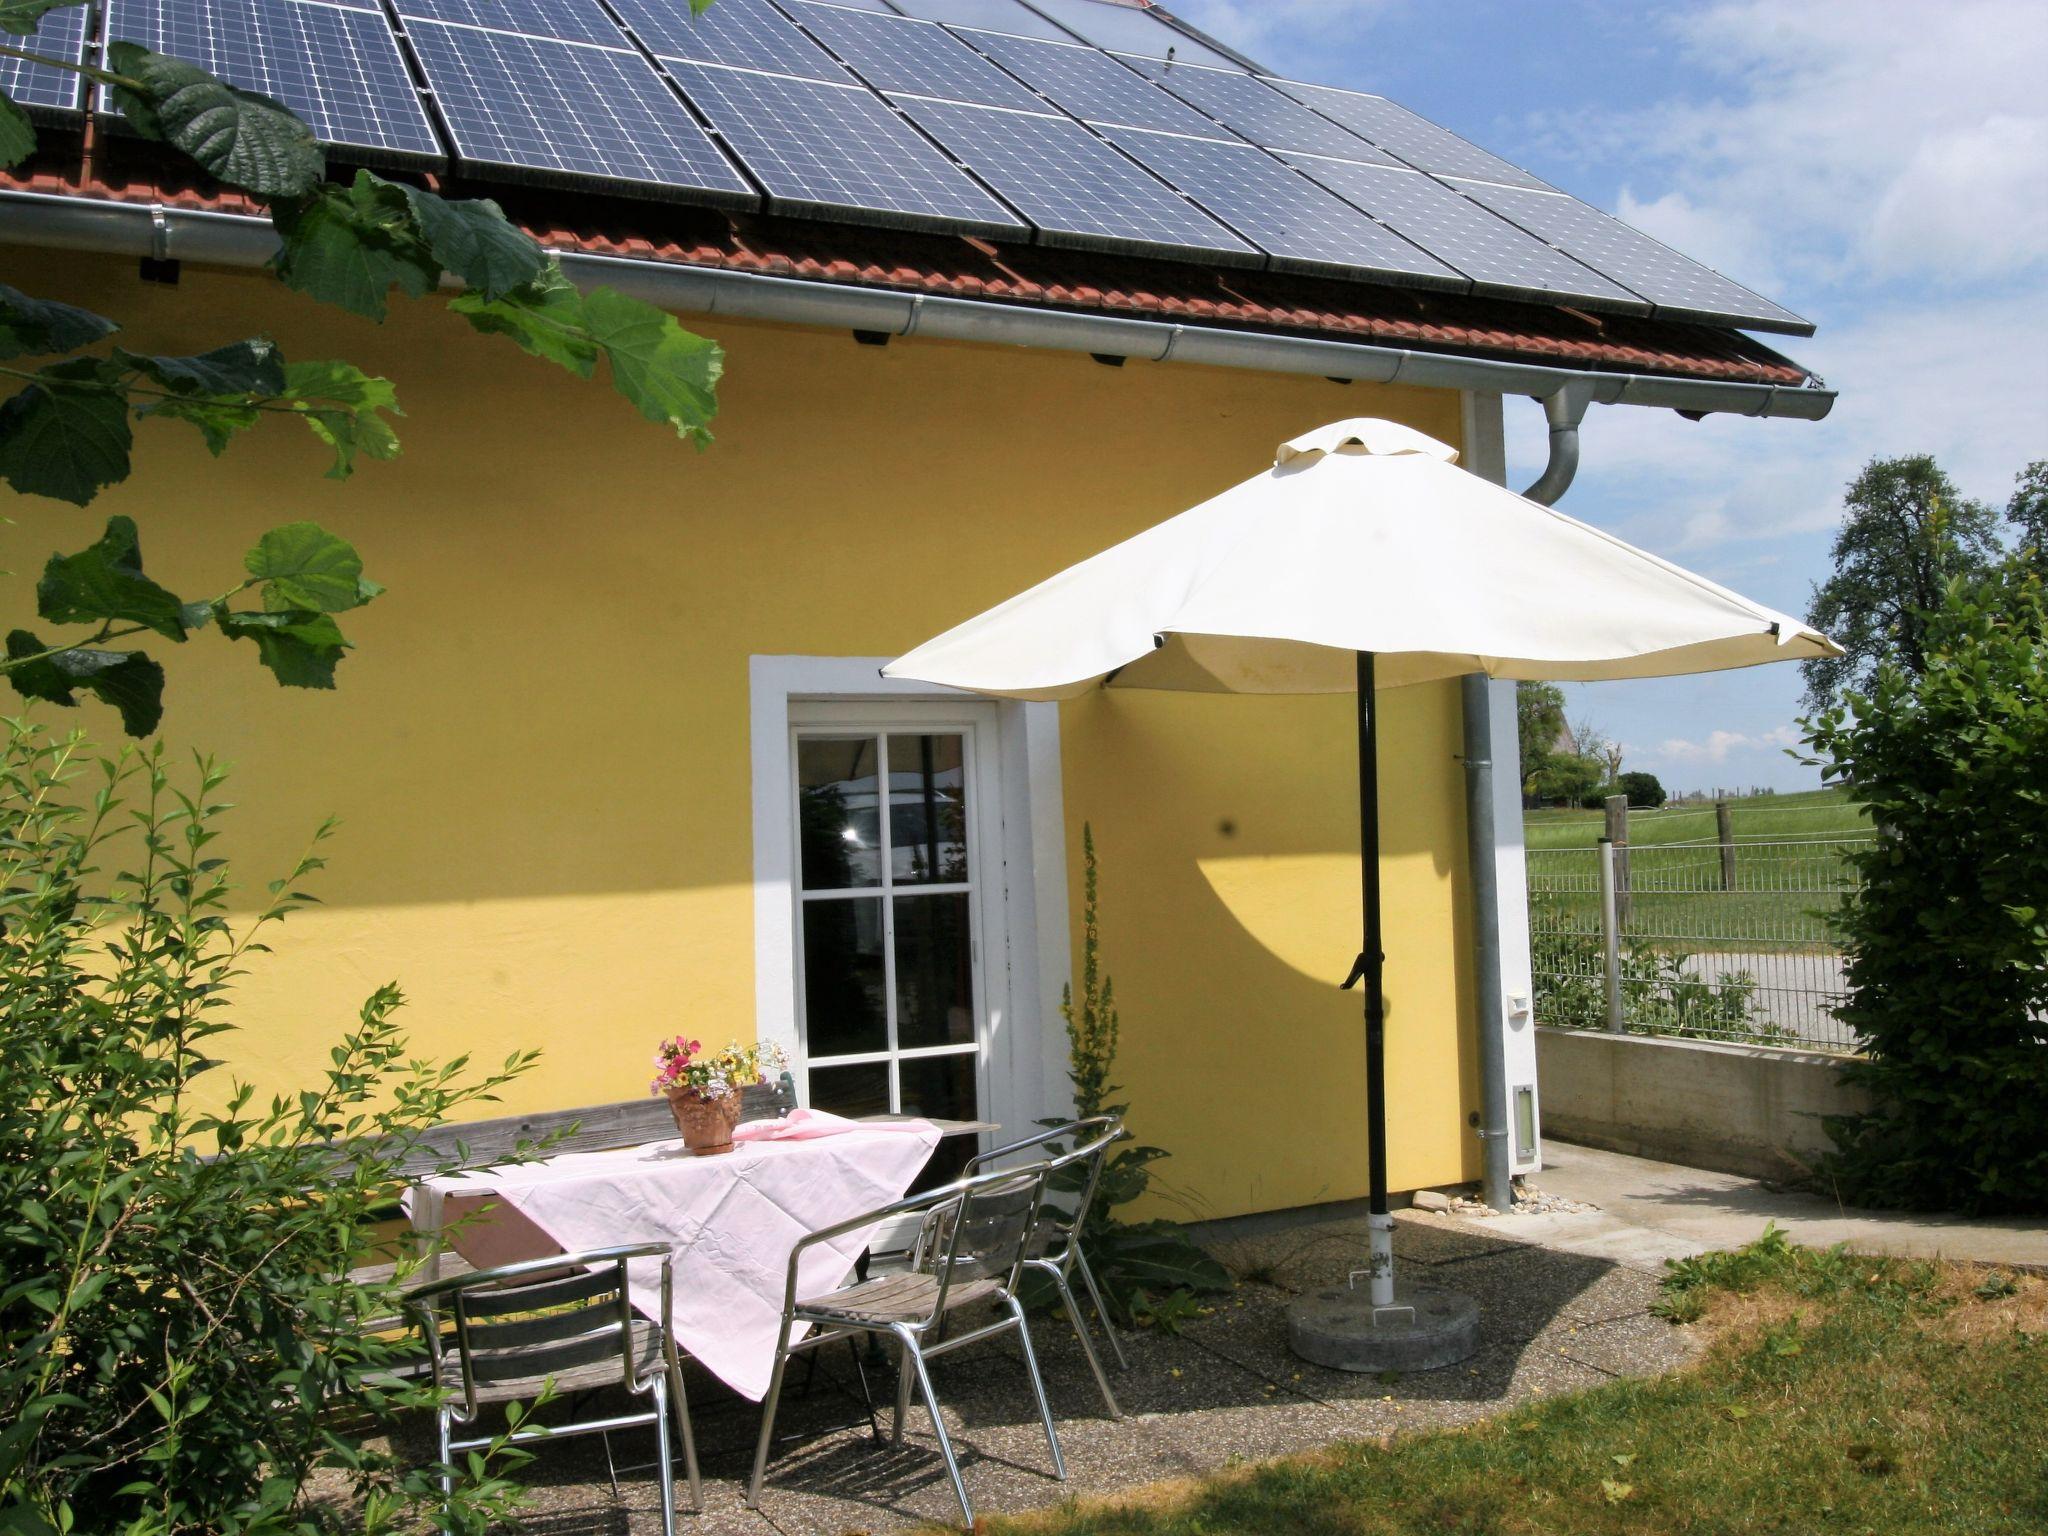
(1371, 968)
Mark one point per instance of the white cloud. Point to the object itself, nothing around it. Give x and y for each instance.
(1274, 31)
(1717, 747)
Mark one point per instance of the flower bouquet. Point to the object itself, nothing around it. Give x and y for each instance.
(703, 1087)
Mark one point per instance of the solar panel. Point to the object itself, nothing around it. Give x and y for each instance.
(524, 104)
(999, 15)
(837, 150)
(1415, 139)
(1260, 113)
(337, 67)
(1483, 246)
(1649, 267)
(1126, 29)
(1074, 187)
(1090, 84)
(1278, 209)
(898, 53)
(575, 21)
(749, 34)
(60, 35)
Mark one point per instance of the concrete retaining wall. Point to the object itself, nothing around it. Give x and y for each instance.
(1739, 1109)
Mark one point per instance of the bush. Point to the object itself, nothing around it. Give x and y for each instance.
(1947, 934)
(180, 1348)
(1644, 791)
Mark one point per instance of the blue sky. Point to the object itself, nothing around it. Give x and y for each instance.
(1877, 167)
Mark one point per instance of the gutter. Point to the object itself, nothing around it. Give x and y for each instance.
(245, 240)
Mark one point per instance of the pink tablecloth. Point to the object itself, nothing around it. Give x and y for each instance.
(730, 1220)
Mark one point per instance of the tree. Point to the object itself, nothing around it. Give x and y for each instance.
(69, 430)
(1565, 777)
(1645, 791)
(1947, 930)
(1906, 534)
(2027, 513)
(1539, 721)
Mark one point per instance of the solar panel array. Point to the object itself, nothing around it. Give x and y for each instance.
(1065, 122)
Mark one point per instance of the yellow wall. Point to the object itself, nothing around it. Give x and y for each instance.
(539, 751)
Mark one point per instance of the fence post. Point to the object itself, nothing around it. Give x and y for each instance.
(1724, 830)
(1610, 936)
(1617, 833)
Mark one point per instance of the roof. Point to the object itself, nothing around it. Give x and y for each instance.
(1085, 156)
(1040, 277)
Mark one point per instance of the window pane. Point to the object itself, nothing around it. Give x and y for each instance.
(934, 972)
(843, 979)
(838, 812)
(851, 1091)
(940, 1087)
(928, 809)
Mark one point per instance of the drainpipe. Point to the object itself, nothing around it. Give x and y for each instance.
(1564, 409)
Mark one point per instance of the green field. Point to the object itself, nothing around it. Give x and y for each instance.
(1812, 813)
(1789, 870)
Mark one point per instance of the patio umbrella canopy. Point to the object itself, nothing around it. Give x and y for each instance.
(1364, 558)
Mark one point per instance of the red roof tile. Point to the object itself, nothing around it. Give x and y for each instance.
(1038, 276)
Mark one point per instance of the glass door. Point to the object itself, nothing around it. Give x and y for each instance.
(890, 1001)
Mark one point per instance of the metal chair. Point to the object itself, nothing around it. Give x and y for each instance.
(971, 1248)
(1054, 1249)
(567, 1320)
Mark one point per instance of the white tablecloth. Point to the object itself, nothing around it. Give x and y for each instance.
(731, 1221)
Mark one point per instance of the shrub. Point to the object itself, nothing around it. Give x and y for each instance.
(180, 1348)
(1947, 932)
(1644, 791)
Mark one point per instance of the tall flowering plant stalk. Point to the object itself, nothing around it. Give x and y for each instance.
(682, 1065)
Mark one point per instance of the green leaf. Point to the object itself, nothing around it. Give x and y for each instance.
(545, 318)
(1157, 1256)
(349, 245)
(304, 567)
(128, 680)
(217, 420)
(343, 407)
(242, 138)
(67, 434)
(251, 367)
(104, 582)
(669, 374)
(302, 649)
(473, 239)
(21, 16)
(32, 326)
(17, 133)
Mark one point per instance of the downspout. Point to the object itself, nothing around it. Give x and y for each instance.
(1564, 409)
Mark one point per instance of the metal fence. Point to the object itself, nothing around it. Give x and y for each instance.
(1712, 940)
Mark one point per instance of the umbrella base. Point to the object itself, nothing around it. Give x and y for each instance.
(1424, 1330)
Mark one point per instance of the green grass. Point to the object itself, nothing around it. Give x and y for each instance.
(1840, 1394)
(1784, 878)
(1810, 813)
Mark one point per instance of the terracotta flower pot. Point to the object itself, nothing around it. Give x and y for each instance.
(706, 1123)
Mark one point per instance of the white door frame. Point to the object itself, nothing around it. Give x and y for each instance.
(1024, 967)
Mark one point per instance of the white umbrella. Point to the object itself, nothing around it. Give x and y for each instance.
(1363, 557)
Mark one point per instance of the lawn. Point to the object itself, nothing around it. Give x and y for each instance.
(1811, 813)
(1836, 1394)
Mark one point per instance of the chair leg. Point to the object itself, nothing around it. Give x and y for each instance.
(664, 1467)
(768, 1419)
(903, 1380)
(931, 1402)
(1095, 1295)
(447, 1460)
(681, 1406)
(1052, 1439)
(1080, 1322)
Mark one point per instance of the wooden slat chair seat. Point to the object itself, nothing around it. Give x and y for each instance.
(899, 1298)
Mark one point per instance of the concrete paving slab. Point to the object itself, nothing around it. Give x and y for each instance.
(1650, 1211)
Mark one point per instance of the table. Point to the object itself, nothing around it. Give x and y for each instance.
(730, 1221)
